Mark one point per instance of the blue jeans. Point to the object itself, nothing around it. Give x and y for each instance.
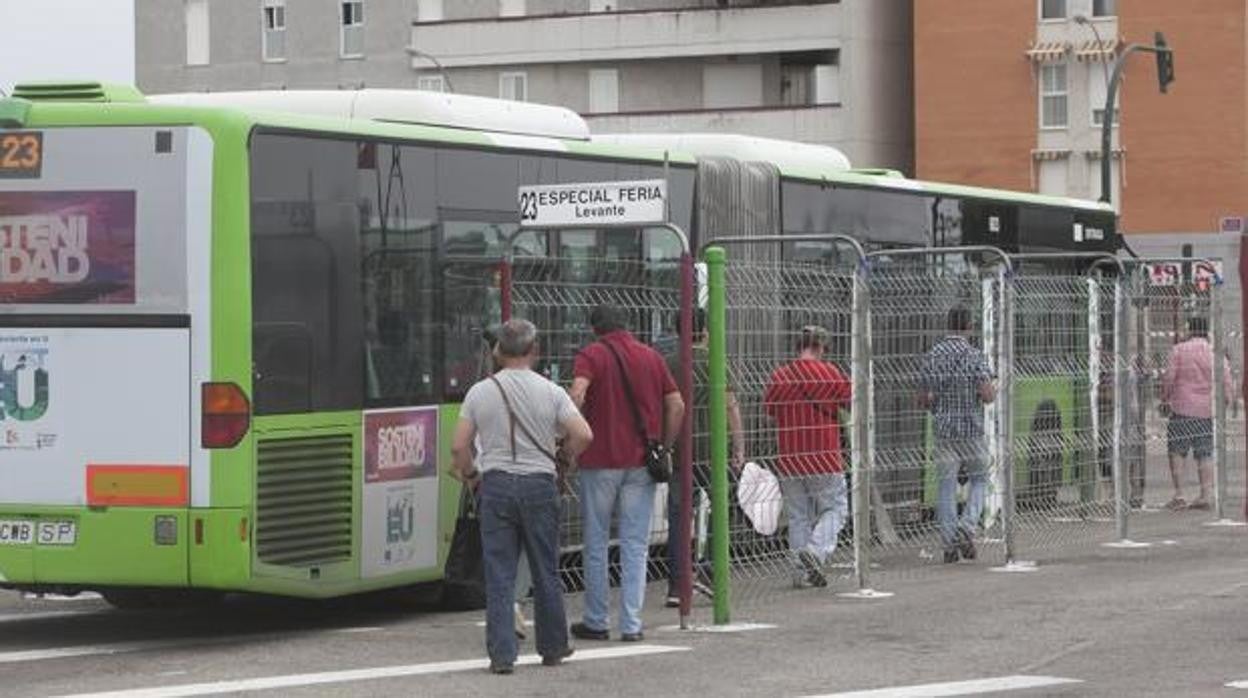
(521, 512)
(817, 506)
(605, 491)
(950, 457)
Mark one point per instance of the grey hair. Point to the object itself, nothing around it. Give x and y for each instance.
(516, 338)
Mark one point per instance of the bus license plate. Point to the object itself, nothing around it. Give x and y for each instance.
(16, 532)
(57, 533)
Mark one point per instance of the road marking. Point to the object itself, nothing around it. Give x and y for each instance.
(957, 688)
(82, 651)
(391, 672)
(352, 631)
(1238, 684)
(47, 615)
(83, 596)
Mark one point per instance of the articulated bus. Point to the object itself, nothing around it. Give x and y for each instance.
(234, 328)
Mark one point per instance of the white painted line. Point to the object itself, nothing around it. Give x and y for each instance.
(352, 631)
(48, 615)
(726, 628)
(84, 596)
(957, 688)
(333, 677)
(1238, 684)
(80, 651)
(1015, 567)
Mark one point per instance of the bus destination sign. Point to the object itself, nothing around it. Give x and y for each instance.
(21, 155)
(596, 203)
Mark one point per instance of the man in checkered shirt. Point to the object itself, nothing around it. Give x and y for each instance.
(956, 382)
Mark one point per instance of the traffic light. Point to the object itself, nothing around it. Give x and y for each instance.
(1165, 61)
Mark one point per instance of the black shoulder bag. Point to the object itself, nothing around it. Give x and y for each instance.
(658, 459)
(463, 585)
(562, 464)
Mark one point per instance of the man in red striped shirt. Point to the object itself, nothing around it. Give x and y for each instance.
(803, 397)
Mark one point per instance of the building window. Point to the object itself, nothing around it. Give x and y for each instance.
(196, 32)
(810, 77)
(1104, 8)
(352, 40)
(604, 91)
(514, 86)
(1053, 177)
(1053, 96)
(511, 8)
(1052, 9)
(1097, 76)
(273, 36)
(429, 11)
(602, 5)
(431, 83)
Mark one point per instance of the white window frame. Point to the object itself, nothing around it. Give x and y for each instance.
(431, 83)
(279, 12)
(1064, 93)
(356, 8)
(196, 59)
(611, 77)
(513, 75)
(1065, 12)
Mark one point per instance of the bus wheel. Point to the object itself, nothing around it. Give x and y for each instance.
(129, 599)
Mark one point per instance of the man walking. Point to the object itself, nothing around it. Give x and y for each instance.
(516, 416)
(700, 410)
(803, 397)
(619, 381)
(956, 382)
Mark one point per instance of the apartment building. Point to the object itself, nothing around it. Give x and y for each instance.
(821, 71)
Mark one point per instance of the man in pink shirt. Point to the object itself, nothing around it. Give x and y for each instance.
(1187, 393)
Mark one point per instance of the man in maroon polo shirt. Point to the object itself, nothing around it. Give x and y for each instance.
(612, 476)
(803, 397)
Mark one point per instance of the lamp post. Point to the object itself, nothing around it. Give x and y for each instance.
(1082, 20)
(1165, 75)
(434, 60)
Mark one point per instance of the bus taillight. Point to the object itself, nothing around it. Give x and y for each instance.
(226, 415)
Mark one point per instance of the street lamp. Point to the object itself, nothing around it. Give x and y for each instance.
(433, 59)
(1165, 75)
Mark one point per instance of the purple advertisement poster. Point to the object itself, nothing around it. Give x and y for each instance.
(67, 247)
(400, 444)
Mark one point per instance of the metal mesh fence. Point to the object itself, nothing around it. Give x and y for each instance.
(558, 295)
(936, 329)
(793, 411)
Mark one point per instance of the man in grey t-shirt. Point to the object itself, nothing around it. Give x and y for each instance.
(516, 417)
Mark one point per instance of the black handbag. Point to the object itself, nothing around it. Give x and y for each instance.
(657, 459)
(463, 586)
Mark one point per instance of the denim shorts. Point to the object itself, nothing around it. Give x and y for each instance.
(1190, 435)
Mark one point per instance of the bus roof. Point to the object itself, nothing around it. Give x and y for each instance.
(481, 121)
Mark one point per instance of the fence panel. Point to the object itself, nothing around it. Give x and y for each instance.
(922, 467)
(558, 294)
(768, 302)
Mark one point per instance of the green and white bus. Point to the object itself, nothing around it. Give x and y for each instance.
(234, 329)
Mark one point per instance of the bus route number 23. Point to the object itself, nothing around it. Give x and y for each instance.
(528, 206)
(21, 154)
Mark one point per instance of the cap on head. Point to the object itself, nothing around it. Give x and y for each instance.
(813, 337)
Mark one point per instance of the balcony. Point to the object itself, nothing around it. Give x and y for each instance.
(636, 35)
(822, 123)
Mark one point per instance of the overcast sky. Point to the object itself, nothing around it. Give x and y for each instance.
(54, 39)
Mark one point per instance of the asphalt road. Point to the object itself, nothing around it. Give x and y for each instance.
(1171, 620)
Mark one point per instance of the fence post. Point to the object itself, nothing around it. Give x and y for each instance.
(1122, 488)
(683, 546)
(718, 379)
(1219, 402)
(860, 455)
(1006, 409)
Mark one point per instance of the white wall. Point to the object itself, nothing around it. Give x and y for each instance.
(57, 39)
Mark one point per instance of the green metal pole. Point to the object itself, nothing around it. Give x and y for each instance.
(718, 367)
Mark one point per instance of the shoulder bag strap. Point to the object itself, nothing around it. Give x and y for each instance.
(516, 422)
(628, 388)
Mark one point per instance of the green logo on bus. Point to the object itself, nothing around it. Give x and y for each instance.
(13, 371)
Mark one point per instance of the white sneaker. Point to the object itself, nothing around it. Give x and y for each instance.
(521, 629)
